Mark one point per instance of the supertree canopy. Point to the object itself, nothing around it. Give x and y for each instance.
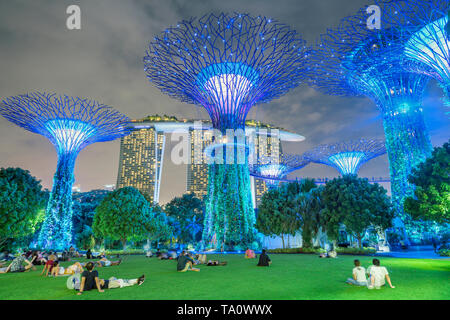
(353, 60)
(426, 25)
(273, 172)
(227, 64)
(347, 157)
(70, 124)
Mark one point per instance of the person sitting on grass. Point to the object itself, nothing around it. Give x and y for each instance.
(17, 265)
(164, 256)
(185, 263)
(59, 270)
(264, 260)
(201, 258)
(104, 262)
(90, 280)
(378, 275)
(213, 263)
(250, 254)
(148, 254)
(359, 275)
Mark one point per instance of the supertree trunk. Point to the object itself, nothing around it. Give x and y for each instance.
(408, 144)
(230, 217)
(56, 232)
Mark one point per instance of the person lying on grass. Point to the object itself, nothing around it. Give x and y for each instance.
(359, 275)
(90, 280)
(185, 263)
(378, 275)
(59, 270)
(214, 263)
(17, 265)
(104, 262)
(264, 260)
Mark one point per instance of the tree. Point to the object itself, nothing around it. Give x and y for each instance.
(277, 213)
(431, 178)
(188, 212)
(84, 205)
(124, 214)
(310, 206)
(357, 204)
(22, 204)
(160, 230)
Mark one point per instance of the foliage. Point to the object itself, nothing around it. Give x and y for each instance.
(160, 230)
(310, 205)
(431, 200)
(85, 239)
(297, 250)
(356, 251)
(22, 203)
(444, 252)
(124, 215)
(84, 205)
(357, 204)
(187, 213)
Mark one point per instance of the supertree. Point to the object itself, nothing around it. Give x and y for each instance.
(353, 60)
(347, 157)
(273, 172)
(70, 124)
(227, 64)
(427, 28)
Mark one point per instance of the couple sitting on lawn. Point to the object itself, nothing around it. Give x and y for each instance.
(377, 275)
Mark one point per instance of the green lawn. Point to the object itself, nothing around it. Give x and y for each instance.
(290, 277)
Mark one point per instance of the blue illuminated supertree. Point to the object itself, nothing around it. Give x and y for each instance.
(427, 29)
(347, 157)
(273, 171)
(227, 64)
(353, 60)
(70, 124)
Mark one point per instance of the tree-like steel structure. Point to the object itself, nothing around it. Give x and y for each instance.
(427, 27)
(353, 60)
(347, 157)
(273, 172)
(70, 124)
(227, 64)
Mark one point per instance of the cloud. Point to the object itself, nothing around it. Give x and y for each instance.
(103, 61)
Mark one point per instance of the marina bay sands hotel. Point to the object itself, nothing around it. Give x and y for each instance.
(141, 159)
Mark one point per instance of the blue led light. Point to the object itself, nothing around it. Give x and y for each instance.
(70, 124)
(347, 157)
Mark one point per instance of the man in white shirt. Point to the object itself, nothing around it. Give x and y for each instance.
(378, 275)
(359, 275)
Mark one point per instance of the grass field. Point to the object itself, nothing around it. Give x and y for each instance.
(298, 277)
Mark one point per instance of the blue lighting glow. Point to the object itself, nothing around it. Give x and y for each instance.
(348, 162)
(347, 157)
(70, 124)
(227, 64)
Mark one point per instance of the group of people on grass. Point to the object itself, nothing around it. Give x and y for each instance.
(83, 277)
(377, 275)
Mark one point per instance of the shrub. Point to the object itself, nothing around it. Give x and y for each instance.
(356, 251)
(297, 250)
(444, 252)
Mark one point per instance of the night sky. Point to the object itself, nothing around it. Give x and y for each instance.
(103, 61)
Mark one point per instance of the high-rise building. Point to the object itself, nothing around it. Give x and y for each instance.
(141, 159)
(141, 153)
